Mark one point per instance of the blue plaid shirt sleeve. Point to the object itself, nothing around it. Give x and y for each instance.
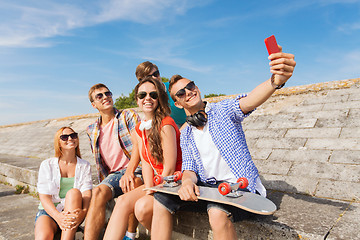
(236, 114)
(188, 158)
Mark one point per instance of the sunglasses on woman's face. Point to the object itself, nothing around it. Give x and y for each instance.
(154, 95)
(100, 96)
(65, 137)
(155, 74)
(181, 93)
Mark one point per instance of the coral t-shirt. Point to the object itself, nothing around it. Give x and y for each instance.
(146, 148)
(110, 149)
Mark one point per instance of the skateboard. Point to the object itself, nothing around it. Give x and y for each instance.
(247, 201)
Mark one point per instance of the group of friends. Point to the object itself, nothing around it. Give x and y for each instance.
(130, 151)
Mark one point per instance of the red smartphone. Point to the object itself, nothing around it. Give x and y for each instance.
(271, 45)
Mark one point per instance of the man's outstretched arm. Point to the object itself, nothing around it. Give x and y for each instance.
(282, 67)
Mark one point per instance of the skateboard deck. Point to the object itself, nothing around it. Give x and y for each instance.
(247, 201)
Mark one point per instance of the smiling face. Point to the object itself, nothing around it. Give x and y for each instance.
(102, 101)
(191, 101)
(71, 143)
(147, 104)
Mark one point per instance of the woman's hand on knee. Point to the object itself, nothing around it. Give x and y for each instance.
(65, 220)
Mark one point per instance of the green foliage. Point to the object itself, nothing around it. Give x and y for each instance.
(21, 189)
(164, 79)
(210, 95)
(124, 102)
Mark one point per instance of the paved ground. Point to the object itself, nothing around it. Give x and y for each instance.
(17, 214)
(298, 217)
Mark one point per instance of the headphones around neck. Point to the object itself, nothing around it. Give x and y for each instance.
(198, 119)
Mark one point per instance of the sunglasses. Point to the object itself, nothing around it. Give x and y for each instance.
(181, 93)
(155, 74)
(154, 95)
(100, 96)
(65, 137)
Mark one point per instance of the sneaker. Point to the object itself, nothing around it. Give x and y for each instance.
(126, 238)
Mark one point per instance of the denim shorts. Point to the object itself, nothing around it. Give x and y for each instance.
(113, 181)
(173, 203)
(42, 212)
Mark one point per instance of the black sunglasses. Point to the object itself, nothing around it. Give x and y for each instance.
(154, 95)
(181, 93)
(155, 74)
(100, 96)
(65, 137)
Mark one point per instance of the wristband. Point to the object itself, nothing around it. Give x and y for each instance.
(274, 85)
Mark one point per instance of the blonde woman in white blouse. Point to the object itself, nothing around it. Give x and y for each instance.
(64, 186)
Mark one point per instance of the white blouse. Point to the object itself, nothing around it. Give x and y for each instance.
(49, 179)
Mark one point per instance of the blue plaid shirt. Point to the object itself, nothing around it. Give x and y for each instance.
(224, 119)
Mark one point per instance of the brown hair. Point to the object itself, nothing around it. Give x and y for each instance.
(144, 69)
(162, 110)
(58, 152)
(95, 87)
(173, 80)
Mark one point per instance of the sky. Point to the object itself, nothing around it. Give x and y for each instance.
(52, 52)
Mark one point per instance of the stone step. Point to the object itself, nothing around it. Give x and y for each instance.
(298, 216)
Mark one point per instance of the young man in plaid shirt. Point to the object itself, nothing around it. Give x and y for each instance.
(214, 149)
(111, 143)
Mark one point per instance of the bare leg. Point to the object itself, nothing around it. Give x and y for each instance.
(45, 228)
(144, 210)
(221, 225)
(119, 219)
(95, 218)
(163, 222)
(73, 201)
(133, 222)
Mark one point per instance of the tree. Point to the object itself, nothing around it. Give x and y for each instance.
(124, 102)
(210, 95)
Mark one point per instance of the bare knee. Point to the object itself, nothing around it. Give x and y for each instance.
(124, 204)
(45, 228)
(74, 194)
(143, 209)
(101, 194)
(219, 220)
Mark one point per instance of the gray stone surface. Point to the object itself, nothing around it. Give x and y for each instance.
(17, 214)
(304, 141)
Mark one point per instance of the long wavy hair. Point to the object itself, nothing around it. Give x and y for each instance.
(161, 111)
(57, 146)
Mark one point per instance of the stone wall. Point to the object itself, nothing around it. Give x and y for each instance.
(304, 139)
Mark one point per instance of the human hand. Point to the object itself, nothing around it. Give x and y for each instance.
(65, 220)
(189, 191)
(127, 182)
(77, 216)
(282, 65)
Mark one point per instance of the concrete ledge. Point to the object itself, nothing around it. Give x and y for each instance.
(19, 171)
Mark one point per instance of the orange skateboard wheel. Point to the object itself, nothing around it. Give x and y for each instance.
(243, 182)
(224, 188)
(158, 179)
(178, 176)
